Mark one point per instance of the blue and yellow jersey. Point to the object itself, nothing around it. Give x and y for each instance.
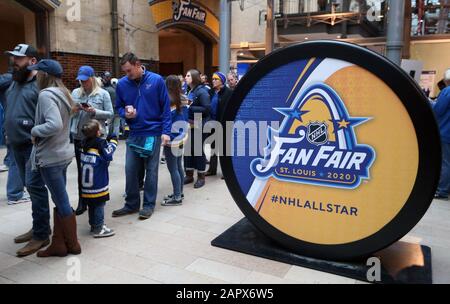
(95, 158)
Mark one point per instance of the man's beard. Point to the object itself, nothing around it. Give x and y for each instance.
(21, 75)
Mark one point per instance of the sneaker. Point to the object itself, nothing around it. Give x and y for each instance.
(172, 202)
(163, 161)
(122, 212)
(145, 214)
(169, 197)
(23, 200)
(26, 194)
(103, 233)
(440, 197)
(4, 168)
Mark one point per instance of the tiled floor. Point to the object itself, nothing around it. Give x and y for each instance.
(174, 245)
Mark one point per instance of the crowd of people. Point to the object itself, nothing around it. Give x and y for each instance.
(45, 126)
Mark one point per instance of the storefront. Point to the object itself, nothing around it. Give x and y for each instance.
(25, 21)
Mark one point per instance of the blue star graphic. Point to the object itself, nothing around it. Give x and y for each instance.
(291, 113)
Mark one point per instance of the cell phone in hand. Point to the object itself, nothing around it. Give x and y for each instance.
(85, 105)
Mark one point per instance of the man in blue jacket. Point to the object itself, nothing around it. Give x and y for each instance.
(442, 112)
(142, 99)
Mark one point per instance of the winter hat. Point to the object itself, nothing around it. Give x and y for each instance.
(222, 77)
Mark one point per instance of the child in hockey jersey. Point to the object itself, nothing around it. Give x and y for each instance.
(95, 158)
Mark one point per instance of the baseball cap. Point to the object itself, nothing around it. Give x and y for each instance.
(23, 50)
(49, 66)
(85, 72)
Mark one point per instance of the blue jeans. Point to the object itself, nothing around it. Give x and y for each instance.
(56, 179)
(114, 128)
(96, 214)
(175, 166)
(2, 136)
(38, 192)
(14, 184)
(134, 168)
(444, 182)
(7, 158)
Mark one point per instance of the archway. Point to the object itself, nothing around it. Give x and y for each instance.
(182, 47)
(188, 35)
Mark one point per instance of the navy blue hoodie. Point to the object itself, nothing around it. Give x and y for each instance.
(151, 101)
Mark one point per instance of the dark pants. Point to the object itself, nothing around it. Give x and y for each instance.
(96, 214)
(444, 182)
(78, 150)
(195, 158)
(214, 160)
(38, 192)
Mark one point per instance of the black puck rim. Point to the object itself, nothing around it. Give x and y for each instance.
(421, 115)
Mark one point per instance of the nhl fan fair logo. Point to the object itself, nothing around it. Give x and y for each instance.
(184, 9)
(310, 150)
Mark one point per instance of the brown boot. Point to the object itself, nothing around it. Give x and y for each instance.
(189, 178)
(32, 247)
(200, 181)
(24, 237)
(58, 247)
(69, 227)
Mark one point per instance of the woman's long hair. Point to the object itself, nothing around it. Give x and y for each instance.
(173, 85)
(196, 79)
(96, 87)
(46, 80)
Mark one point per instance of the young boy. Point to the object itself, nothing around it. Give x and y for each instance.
(95, 158)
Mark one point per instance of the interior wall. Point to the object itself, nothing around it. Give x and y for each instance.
(91, 33)
(434, 55)
(184, 48)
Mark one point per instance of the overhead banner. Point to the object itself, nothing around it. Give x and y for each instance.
(167, 13)
(351, 158)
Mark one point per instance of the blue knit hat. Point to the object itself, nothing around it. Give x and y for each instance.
(222, 77)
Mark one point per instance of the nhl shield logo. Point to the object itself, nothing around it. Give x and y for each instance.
(317, 133)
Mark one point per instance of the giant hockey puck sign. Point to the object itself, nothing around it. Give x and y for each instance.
(351, 156)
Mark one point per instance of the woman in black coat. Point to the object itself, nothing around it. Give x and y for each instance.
(199, 114)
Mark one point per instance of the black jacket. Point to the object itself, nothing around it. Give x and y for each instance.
(224, 96)
(201, 103)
